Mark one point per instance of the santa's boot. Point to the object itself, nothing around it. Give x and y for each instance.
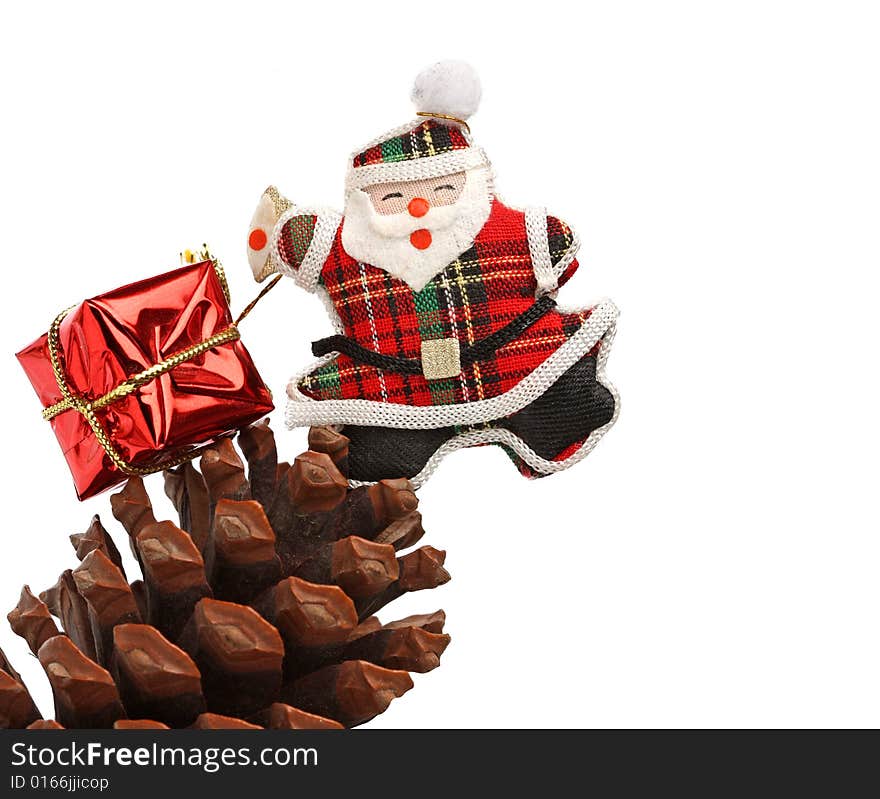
(557, 424)
(379, 453)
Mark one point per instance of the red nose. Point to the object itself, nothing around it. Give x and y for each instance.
(418, 206)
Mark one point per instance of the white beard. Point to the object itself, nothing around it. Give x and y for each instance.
(383, 240)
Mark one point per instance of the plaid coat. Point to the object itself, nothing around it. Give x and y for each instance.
(484, 289)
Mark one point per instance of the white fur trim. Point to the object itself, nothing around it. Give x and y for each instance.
(546, 272)
(539, 249)
(304, 411)
(448, 87)
(326, 223)
(416, 168)
(322, 241)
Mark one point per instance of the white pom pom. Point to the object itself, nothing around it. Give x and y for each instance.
(448, 87)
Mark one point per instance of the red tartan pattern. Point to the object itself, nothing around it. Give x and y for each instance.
(429, 138)
(559, 237)
(487, 287)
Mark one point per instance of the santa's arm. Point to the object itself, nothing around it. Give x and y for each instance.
(287, 238)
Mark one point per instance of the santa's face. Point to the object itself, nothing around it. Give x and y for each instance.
(416, 196)
(414, 229)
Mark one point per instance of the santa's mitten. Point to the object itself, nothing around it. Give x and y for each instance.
(259, 247)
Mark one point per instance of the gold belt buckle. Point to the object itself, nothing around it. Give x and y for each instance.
(441, 358)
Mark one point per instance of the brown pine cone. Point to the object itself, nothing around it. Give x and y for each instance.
(254, 611)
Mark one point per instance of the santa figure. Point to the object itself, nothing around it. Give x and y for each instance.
(443, 299)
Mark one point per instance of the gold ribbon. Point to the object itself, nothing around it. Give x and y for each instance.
(87, 408)
(447, 117)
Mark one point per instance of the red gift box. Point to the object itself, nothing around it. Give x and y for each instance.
(144, 377)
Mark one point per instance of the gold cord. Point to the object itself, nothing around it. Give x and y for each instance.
(250, 306)
(445, 116)
(134, 382)
(221, 274)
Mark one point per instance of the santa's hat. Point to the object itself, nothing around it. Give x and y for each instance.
(437, 143)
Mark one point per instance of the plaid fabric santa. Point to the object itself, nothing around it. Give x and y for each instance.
(447, 334)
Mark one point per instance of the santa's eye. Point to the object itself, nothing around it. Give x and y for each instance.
(395, 195)
(445, 187)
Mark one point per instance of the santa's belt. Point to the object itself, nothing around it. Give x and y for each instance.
(441, 358)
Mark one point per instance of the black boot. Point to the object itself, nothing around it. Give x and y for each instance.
(377, 453)
(572, 408)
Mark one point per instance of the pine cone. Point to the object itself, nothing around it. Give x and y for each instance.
(256, 611)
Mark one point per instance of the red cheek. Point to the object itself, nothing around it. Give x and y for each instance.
(420, 239)
(257, 239)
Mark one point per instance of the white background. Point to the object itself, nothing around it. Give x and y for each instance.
(714, 562)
